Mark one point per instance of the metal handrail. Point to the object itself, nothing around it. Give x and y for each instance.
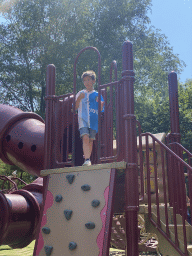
(178, 163)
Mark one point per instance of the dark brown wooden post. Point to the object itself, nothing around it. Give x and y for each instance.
(175, 177)
(50, 91)
(130, 153)
(174, 107)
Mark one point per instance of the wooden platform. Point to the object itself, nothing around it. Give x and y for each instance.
(114, 165)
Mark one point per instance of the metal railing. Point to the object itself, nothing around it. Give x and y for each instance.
(170, 189)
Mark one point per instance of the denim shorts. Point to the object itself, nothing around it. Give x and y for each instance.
(88, 131)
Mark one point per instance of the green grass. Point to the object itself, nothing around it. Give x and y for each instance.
(5, 250)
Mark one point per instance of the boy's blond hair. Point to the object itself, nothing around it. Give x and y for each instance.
(90, 73)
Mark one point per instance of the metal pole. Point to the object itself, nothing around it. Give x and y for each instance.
(48, 139)
(174, 107)
(130, 153)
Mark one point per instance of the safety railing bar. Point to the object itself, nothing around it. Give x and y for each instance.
(67, 151)
(156, 184)
(167, 149)
(62, 133)
(148, 175)
(190, 189)
(174, 207)
(55, 97)
(141, 162)
(183, 192)
(108, 158)
(109, 84)
(111, 128)
(165, 190)
(62, 164)
(113, 67)
(184, 232)
(56, 135)
(105, 121)
(181, 146)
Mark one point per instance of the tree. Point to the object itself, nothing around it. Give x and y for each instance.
(185, 109)
(41, 32)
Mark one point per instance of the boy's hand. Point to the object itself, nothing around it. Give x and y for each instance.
(81, 96)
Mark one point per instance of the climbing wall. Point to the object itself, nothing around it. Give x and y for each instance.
(76, 212)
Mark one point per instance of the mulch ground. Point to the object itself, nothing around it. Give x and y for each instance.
(122, 253)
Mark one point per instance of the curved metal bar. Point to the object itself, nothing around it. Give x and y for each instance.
(3, 177)
(75, 64)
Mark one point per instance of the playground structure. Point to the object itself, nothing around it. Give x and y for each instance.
(85, 209)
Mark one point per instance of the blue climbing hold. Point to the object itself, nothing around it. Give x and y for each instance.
(48, 250)
(70, 178)
(68, 214)
(72, 246)
(46, 230)
(58, 198)
(95, 203)
(85, 187)
(90, 225)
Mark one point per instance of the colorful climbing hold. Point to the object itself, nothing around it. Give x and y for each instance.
(85, 187)
(58, 198)
(48, 250)
(70, 178)
(95, 203)
(90, 225)
(68, 214)
(46, 230)
(72, 246)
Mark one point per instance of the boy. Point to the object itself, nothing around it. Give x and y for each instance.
(87, 105)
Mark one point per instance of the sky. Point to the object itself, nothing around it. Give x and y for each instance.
(174, 18)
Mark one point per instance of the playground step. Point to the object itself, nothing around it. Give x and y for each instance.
(77, 212)
(172, 229)
(189, 249)
(162, 213)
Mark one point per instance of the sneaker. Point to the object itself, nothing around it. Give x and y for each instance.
(87, 163)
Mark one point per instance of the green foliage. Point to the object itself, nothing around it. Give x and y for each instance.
(37, 33)
(185, 109)
(7, 170)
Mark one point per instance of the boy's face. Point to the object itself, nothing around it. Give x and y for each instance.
(88, 82)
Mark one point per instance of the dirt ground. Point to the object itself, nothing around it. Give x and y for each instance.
(114, 252)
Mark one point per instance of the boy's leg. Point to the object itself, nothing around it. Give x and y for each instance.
(87, 146)
(90, 145)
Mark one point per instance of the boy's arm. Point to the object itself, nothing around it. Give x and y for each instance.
(78, 100)
(102, 104)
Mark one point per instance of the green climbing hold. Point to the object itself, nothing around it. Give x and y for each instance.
(68, 214)
(48, 250)
(70, 178)
(72, 246)
(58, 198)
(85, 187)
(46, 230)
(90, 225)
(95, 203)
